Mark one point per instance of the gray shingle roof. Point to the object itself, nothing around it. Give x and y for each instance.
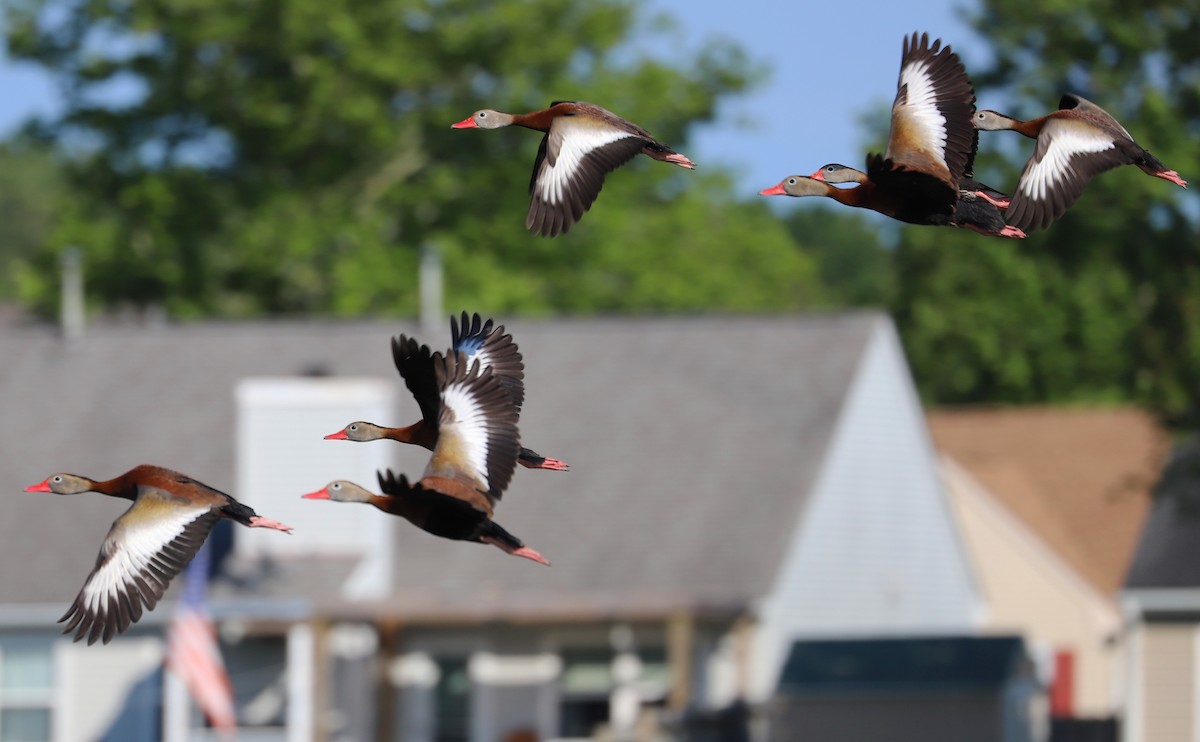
(692, 443)
(1169, 549)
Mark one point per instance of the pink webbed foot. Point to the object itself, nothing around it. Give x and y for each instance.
(260, 522)
(681, 160)
(1011, 231)
(547, 463)
(1172, 176)
(524, 551)
(530, 554)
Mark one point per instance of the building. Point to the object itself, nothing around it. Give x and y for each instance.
(736, 484)
(1051, 503)
(923, 689)
(1162, 610)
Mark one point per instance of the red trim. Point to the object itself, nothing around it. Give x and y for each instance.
(1062, 689)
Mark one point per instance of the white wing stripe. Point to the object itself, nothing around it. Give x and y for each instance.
(469, 429)
(577, 142)
(922, 107)
(137, 548)
(1062, 145)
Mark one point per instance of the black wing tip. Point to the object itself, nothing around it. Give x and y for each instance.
(390, 484)
(469, 327)
(545, 220)
(1068, 101)
(406, 350)
(99, 625)
(919, 43)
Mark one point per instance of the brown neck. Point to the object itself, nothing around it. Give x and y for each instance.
(417, 434)
(856, 196)
(1030, 128)
(397, 505)
(538, 120)
(122, 486)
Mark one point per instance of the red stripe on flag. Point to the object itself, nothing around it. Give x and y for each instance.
(193, 654)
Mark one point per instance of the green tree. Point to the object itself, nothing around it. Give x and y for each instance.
(855, 266)
(31, 195)
(1103, 305)
(293, 156)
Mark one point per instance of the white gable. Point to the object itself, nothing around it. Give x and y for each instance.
(282, 454)
(876, 551)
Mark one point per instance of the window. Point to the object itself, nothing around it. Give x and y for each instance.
(257, 667)
(452, 699)
(586, 684)
(654, 681)
(26, 689)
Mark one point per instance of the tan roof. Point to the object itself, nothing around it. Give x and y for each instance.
(1080, 478)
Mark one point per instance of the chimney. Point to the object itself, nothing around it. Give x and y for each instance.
(71, 310)
(431, 289)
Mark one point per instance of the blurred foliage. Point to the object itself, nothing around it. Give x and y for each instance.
(855, 267)
(233, 158)
(229, 158)
(1105, 304)
(31, 192)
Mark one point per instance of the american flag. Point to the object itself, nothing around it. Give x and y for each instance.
(192, 651)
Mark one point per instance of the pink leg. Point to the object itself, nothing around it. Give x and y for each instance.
(524, 551)
(260, 522)
(999, 203)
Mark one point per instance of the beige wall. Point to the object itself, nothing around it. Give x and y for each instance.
(1028, 590)
(1165, 662)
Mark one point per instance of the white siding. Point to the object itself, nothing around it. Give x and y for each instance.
(281, 455)
(876, 552)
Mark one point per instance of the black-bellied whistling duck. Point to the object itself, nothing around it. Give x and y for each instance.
(147, 546)
(1074, 144)
(583, 143)
(471, 465)
(967, 186)
(978, 207)
(930, 144)
(494, 349)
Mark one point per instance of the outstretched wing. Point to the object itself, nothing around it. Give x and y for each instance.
(931, 114)
(1068, 154)
(144, 550)
(572, 161)
(494, 349)
(478, 439)
(415, 364)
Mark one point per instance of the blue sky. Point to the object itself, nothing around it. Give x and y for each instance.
(831, 62)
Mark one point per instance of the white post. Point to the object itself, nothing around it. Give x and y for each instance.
(71, 309)
(301, 682)
(177, 708)
(431, 289)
